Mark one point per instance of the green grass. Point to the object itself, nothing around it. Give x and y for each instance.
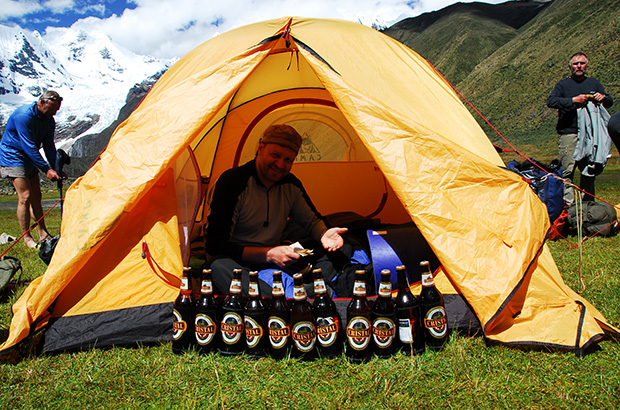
(466, 375)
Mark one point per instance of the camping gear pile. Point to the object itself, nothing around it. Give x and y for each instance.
(385, 136)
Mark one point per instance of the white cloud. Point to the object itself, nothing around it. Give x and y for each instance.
(59, 6)
(188, 23)
(17, 8)
(171, 28)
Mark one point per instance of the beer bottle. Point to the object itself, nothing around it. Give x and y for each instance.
(279, 321)
(432, 311)
(206, 322)
(410, 333)
(384, 319)
(183, 312)
(255, 320)
(231, 327)
(328, 327)
(303, 329)
(359, 325)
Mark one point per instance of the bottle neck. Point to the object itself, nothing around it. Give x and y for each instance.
(427, 280)
(385, 289)
(277, 289)
(184, 284)
(319, 287)
(403, 282)
(359, 289)
(254, 291)
(299, 293)
(235, 286)
(206, 288)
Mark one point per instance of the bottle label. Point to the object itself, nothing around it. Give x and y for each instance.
(359, 289)
(184, 283)
(253, 289)
(235, 286)
(178, 326)
(436, 322)
(253, 331)
(427, 279)
(277, 289)
(319, 287)
(358, 332)
(383, 330)
(327, 330)
(205, 329)
(405, 333)
(206, 287)
(299, 293)
(279, 332)
(385, 289)
(232, 328)
(304, 336)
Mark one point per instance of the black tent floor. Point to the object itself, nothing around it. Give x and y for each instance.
(153, 323)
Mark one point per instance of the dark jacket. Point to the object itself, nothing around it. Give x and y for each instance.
(561, 98)
(244, 213)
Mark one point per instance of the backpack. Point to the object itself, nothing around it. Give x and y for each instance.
(9, 265)
(549, 189)
(599, 218)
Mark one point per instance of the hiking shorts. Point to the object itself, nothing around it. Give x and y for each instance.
(18, 172)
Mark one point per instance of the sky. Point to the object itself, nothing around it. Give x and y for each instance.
(171, 28)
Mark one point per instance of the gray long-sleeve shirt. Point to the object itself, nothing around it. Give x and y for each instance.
(243, 212)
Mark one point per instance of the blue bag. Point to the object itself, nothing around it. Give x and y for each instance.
(549, 189)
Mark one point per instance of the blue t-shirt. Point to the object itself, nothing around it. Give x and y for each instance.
(26, 132)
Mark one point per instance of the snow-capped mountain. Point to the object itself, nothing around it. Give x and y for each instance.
(90, 72)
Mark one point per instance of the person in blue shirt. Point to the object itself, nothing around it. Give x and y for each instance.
(29, 128)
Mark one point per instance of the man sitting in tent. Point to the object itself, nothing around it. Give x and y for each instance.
(249, 209)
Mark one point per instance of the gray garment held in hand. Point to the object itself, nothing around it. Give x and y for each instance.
(594, 143)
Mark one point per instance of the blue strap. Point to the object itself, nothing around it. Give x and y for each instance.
(383, 257)
(266, 275)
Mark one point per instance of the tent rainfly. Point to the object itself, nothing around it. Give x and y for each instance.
(384, 136)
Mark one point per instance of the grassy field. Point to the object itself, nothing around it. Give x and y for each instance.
(466, 375)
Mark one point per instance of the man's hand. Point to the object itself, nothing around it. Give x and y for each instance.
(331, 239)
(580, 99)
(282, 256)
(599, 97)
(52, 175)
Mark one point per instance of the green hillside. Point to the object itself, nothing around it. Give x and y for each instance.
(509, 85)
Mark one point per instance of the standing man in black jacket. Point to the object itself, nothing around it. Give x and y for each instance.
(568, 95)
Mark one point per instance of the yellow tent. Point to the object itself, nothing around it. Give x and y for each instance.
(384, 136)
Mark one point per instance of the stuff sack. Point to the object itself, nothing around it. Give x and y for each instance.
(599, 218)
(549, 189)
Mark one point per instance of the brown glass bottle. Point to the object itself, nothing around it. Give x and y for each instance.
(231, 326)
(206, 319)
(255, 320)
(329, 332)
(410, 332)
(279, 321)
(183, 313)
(359, 322)
(303, 329)
(432, 311)
(384, 319)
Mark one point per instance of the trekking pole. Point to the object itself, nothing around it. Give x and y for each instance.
(61, 159)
